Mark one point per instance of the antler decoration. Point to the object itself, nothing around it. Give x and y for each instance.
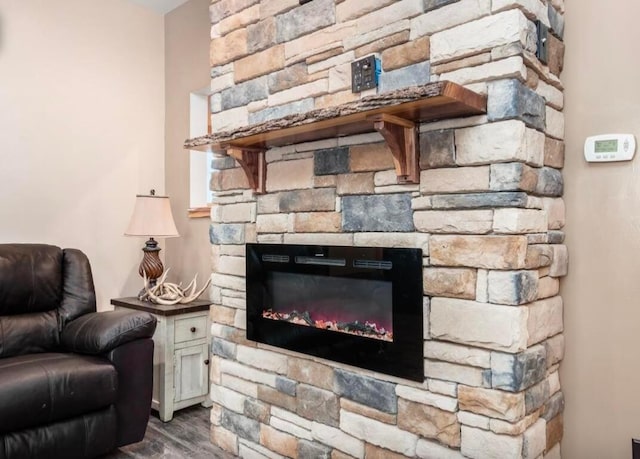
(167, 293)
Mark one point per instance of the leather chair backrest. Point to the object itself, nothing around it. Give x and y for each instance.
(42, 287)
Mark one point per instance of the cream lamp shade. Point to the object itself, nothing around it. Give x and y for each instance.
(152, 217)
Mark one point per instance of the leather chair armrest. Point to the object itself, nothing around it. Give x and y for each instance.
(100, 332)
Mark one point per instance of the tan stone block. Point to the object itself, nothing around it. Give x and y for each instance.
(554, 153)
(560, 264)
(370, 157)
(555, 430)
(288, 77)
(228, 179)
(317, 42)
(455, 180)
(277, 441)
(261, 63)
(555, 55)
(290, 175)
(324, 181)
(351, 9)
(473, 420)
(312, 89)
(231, 265)
(382, 44)
(492, 403)
(554, 123)
(328, 54)
(224, 439)
(451, 282)
(272, 223)
(429, 422)
(319, 238)
(236, 21)
(538, 256)
(490, 252)
(223, 315)
(513, 428)
(228, 48)
(336, 98)
(336, 438)
(512, 67)
(367, 411)
(535, 440)
(454, 221)
(317, 222)
(519, 221)
(374, 452)
(548, 287)
(479, 324)
(360, 183)
(309, 372)
(262, 359)
(337, 454)
(453, 372)
(274, 397)
(274, 7)
(406, 54)
(424, 397)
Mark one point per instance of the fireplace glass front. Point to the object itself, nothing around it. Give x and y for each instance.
(357, 305)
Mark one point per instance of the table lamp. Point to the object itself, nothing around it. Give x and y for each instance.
(151, 218)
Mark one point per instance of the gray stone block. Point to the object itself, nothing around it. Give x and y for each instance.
(331, 161)
(367, 391)
(220, 233)
(411, 75)
(256, 410)
(479, 200)
(390, 212)
(305, 19)
(272, 113)
(322, 199)
(550, 182)
(556, 20)
(510, 99)
(517, 372)
(556, 237)
(243, 93)
(223, 348)
(554, 406)
(513, 177)
(261, 35)
(286, 385)
(318, 405)
(434, 4)
(437, 149)
(307, 449)
(222, 163)
(240, 425)
(536, 396)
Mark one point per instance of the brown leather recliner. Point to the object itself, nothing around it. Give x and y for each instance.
(73, 382)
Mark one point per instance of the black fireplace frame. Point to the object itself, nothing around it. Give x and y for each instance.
(401, 266)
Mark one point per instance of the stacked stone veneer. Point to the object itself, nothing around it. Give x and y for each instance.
(488, 214)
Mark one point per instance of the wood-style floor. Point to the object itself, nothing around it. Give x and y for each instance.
(185, 436)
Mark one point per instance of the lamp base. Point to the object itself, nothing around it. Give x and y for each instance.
(151, 266)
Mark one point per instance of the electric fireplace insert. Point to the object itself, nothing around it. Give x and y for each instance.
(357, 305)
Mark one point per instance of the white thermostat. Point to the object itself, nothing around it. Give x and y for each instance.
(609, 147)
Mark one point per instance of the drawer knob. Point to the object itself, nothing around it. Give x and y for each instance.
(193, 329)
(206, 362)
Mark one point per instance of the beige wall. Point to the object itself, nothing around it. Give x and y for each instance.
(81, 128)
(601, 370)
(187, 69)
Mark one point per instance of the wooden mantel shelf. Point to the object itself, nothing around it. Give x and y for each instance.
(394, 114)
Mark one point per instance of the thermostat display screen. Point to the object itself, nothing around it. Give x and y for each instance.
(606, 146)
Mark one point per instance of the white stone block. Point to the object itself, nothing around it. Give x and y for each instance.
(478, 324)
(427, 398)
(554, 382)
(351, 9)
(443, 387)
(453, 372)
(479, 35)
(249, 450)
(512, 67)
(230, 119)
(315, 88)
(251, 374)
(409, 240)
(426, 449)
(554, 123)
(535, 440)
(338, 439)
(339, 78)
(560, 264)
(481, 444)
(319, 238)
(292, 418)
(272, 223)
(378, 433)
(512, 287)
(343, 58)
(518, 221)
(448, 16)
(545, 319)
(228, 398)
(264, 360)
(457, 354)
(226, 281)
(290, 428)
(552, 95)
(534, 9)
(482, 286)
(290, 175)
(243, 386)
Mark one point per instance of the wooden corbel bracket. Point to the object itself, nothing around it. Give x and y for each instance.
(401, 136)
(254, 165)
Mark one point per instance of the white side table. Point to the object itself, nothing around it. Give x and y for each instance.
(181, 353)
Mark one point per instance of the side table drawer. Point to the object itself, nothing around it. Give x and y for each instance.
(190, 328)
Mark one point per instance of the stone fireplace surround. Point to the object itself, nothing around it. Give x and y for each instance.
(488, 214)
